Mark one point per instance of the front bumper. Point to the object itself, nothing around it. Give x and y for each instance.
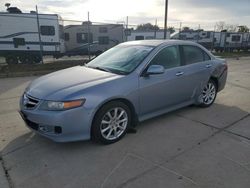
(60, 126)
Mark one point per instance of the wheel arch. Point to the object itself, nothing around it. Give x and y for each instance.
(127, 102)
(215, 79)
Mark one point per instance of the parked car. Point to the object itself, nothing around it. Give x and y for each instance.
(131, 82)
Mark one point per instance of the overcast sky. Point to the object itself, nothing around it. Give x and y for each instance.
(190, 12)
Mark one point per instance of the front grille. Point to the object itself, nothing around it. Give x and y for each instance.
(29, 102)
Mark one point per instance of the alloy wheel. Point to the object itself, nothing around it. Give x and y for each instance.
(114, 123)
(209, 93)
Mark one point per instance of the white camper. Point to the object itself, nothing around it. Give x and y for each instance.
(228, 41)
(203, 37)
(95, 38)
(20, 40)
(147, 35)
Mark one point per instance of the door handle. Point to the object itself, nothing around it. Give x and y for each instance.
(208, 65)
(179, 73)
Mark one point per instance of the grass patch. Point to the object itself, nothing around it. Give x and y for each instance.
(36, 69)
(232, 54)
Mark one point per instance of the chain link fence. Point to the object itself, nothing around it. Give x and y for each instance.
(32, 38)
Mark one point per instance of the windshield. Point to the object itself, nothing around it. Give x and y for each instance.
(120, 59)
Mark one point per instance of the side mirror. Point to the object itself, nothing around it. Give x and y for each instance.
(155, 69)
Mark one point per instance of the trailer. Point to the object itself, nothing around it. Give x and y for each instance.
(204, 38)
(229, 41)
(147, 35)
(93, 39)
(25, 37)
(219, 41)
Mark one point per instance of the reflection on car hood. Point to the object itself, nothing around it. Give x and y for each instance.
(79, 76)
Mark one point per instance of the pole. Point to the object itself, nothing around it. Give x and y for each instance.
(88, 37)
(180, 30)
(155, 28)
(39, 35)
(166, 19)
(212, 47)
(127, 28)
(198, 35)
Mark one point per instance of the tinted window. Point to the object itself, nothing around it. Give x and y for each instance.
(168, 57)
(83, 37)
(192, 54)
(206, 57)
(103, 40)
(47, 30)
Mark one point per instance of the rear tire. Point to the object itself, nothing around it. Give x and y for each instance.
(111, 122)
(208, 94)
(26, 59)
(11, 60)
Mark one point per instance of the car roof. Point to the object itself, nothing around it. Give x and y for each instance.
(158, 42)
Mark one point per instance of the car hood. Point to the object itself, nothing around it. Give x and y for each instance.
(67, 80)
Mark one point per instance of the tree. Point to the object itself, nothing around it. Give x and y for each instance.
(222, 26)
(243, 29)
(219, 26)
(147, 27)
(186, 29)
(171, 29)
(231, 27)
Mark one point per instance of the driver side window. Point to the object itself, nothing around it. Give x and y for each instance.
(168, 57)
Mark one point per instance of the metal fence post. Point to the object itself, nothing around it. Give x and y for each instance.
(88, 37)
(126, 28)
(39, 35)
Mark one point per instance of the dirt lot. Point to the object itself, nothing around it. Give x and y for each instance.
(191, 147)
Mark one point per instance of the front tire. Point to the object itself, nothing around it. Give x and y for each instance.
(208, 94)
(111, 122)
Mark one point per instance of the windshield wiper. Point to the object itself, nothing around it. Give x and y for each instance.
(115, 71)
(99, 68)
(102, 69)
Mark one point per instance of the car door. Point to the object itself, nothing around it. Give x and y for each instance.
(165, 90)
(197, 67)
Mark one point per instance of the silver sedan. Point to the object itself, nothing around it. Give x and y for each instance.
(131, 82)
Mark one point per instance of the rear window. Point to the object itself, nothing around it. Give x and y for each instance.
(194, 54)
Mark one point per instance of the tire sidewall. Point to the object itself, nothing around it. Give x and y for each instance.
(95, 129)
(216, 89)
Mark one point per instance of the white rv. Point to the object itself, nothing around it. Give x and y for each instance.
(228, 41)
(203, 37)
(147, 35)
(220, 41)
(20, 40)
(95, 38)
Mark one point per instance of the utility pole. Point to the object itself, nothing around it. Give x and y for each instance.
(126, 28)
(155, 28)
(180, 30)
(39, 35)
(88, 37)
(166, 19)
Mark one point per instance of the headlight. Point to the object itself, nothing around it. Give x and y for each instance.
(56, 105)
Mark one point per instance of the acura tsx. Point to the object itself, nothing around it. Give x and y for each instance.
(128, 83)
